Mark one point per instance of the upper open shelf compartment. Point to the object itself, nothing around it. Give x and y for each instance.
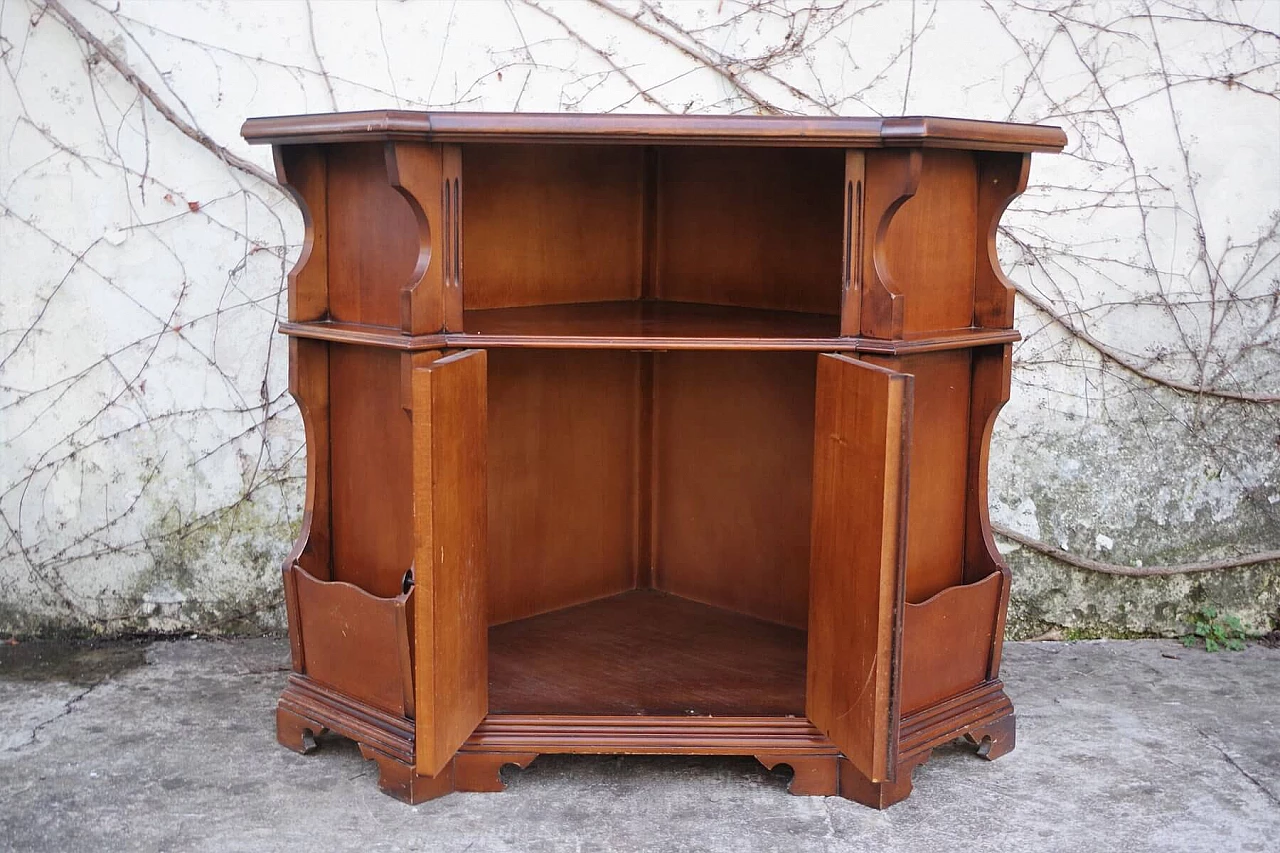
(428, 230)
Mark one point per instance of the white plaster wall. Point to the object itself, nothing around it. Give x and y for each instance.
(151, 466)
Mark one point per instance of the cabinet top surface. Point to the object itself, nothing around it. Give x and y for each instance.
(783, 131)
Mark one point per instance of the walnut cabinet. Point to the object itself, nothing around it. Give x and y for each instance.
(648, 434)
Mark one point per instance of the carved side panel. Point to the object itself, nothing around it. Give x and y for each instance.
(429, 178)
(1001, 179)
(313, 549)
(991, 373)
(892, 177)
(302, 170)
(309, 386)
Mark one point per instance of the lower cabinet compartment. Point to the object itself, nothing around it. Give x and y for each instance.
(646, 652)
(357, 643)
(947, 642)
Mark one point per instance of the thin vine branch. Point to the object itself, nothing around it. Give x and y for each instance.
(1131, 364)
(694, 52)
(1243, 561)
(604, 55)
(170, 115)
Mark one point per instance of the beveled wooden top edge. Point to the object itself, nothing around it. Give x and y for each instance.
(797, 131)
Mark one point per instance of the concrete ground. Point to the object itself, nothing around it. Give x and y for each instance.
(1125, 746)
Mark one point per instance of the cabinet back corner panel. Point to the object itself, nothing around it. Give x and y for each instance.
(733, 461)
(753, 227)
(563, 445)
(549, 224)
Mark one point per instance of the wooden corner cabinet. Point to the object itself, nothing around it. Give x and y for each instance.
(648, 434)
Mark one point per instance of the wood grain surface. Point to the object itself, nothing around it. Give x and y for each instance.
(862, 431)
(450, 458)
(646, 652)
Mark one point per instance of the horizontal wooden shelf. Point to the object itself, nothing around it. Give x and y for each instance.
(646, 652)
(646, 325)
(651, 325)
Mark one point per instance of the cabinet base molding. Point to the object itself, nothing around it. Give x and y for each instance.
(307, 709)
(983, 717)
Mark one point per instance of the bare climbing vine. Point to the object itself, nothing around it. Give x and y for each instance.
(142, 387)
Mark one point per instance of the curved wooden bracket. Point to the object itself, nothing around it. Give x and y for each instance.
(301, 170)
(1001, 179)
(815, 775)
(993, 739)
(890, 184)
(428, 177)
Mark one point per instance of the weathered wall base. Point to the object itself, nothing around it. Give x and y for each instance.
(1069, 603)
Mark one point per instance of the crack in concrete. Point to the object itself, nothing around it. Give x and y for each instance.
(67, 708)
(1271, 795)
(826, 813)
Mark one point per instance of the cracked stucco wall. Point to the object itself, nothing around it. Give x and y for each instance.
(152, 462)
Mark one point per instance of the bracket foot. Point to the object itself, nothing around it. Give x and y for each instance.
(297, 733)
(879, 795)
(399, 780)
(994, 739)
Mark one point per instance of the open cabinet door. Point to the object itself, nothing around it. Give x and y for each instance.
(856, 572)
(451, 655)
